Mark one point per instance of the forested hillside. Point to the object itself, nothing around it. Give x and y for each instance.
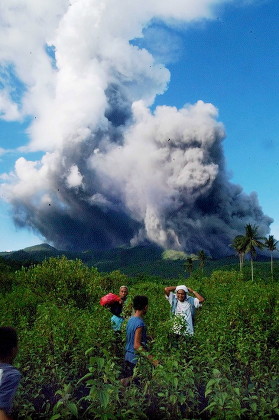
(141, 260)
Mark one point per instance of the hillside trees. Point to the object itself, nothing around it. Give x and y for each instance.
(5, 276)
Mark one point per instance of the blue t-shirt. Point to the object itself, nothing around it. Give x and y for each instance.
(9, 380)
(134, 323)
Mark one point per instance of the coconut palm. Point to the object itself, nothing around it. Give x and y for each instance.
(239, 246)
(202, 258)
(270, 244)
(189, 265)
(251, 242)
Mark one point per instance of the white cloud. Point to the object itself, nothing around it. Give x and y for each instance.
(74, 179)
(152, 172)
(164, 161)
(91, 43)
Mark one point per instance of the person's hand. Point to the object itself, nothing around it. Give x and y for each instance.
(151, 359)
(155, 362)
(190, 290)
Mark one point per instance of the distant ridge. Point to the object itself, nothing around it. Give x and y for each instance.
(32, 254)
(41, 247)
(140, 260)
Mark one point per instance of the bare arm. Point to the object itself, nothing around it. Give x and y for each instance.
(137, 338)
(3, 415)
(138, 347)
(196, 294)
(169, 289)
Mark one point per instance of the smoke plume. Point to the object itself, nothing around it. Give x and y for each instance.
(113, 170)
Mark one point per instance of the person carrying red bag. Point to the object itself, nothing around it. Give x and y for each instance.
(115, 304)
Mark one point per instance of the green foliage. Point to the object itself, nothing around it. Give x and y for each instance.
(7, 269)
(112, 281)
(70, 358)
(6, 278)
(62, 281)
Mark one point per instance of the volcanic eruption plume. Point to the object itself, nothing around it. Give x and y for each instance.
(113, 170)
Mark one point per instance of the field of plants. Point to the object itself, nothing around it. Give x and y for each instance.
(70, 364)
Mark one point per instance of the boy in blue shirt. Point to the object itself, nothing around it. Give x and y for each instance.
(9, 376)
(136, 338)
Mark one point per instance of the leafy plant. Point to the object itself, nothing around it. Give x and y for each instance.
(70, 358)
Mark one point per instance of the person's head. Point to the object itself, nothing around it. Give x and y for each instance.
(140, 303)
(8, 344)
(181, 292)
(123, 292)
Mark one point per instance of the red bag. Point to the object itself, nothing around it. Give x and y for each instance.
(109, 299)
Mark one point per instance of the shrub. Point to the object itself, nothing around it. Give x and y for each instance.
(62, 281)
(69, 355)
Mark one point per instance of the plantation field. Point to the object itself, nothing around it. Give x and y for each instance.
(70, 362)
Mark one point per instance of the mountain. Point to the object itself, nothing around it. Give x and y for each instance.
(109, 259)
(41, 247)
(133, 261)
(136, 260)
(35, 253)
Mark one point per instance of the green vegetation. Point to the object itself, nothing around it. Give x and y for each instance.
(248, 244)
(202, 257)
(152, 260)
(69, 362)
(252, 241)
(270, 244)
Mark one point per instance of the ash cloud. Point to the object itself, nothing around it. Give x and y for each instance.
(113, 171)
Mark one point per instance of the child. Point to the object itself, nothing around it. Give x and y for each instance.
(9, 376)
(136, 338)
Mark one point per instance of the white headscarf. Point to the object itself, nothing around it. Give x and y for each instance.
(182, 287)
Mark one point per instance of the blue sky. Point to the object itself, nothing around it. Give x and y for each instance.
(231, 61)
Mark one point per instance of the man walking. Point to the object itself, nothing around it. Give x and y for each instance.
(136, 339)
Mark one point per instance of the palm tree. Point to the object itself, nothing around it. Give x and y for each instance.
(251, 242)
(239, 245)
(202, 258)
(189, 265)
(271, 243)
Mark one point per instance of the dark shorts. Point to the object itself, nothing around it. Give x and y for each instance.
(128, 369)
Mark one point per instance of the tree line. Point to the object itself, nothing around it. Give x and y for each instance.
(246, 244)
